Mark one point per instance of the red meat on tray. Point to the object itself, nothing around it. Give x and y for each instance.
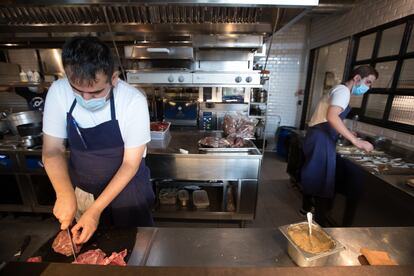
(97, 257)
(37, 259)
(62, 244)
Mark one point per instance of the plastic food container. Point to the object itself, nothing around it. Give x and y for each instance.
(183, 197)
(159, 135)
(200, 199)
(168, 196)
(306, 259)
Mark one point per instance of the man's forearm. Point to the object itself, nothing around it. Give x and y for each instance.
(56, 167)
(339, 126)
(122, 177)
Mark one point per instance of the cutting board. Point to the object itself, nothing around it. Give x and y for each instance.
(107, 239)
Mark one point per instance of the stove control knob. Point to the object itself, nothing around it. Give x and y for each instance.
(170, 78)
(238, 79)
(181, 78)
(248, 79)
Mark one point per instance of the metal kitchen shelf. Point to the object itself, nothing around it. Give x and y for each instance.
(25, 84)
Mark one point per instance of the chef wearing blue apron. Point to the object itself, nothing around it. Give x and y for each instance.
(318, 171)
(105, 123)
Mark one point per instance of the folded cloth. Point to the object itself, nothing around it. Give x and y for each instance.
(377, 257)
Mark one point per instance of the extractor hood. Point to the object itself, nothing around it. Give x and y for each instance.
(46, 23)
(156, 23)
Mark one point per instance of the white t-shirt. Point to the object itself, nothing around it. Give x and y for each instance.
(131, 111)
(338, 96)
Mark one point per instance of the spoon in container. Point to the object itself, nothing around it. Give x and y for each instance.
(309, 217)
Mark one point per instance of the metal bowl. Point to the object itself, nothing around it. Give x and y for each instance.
(306, 259)
(25, 117)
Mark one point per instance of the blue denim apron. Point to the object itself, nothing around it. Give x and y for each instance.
(96, 154)
(318, 171)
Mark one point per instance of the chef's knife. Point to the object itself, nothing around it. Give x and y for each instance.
(18, 254)
(71, 244)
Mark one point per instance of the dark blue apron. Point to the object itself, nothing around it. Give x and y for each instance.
(96, 154)
(318, 171)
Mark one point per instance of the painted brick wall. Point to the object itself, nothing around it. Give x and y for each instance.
(364, 15)
(287, 68)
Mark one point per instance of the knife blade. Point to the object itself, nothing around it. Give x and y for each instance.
(26, 242)
(71, 244)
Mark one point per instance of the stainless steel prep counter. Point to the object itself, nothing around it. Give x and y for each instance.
(221, 174)
(259, 247)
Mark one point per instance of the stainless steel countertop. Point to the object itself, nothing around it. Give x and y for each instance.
(259, 247)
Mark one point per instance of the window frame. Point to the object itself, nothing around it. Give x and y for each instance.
(393, 90)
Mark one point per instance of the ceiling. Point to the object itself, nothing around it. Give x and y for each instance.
(47, 23)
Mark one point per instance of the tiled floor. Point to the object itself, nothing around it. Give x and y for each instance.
(278, 203)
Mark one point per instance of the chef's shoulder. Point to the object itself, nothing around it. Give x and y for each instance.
(60, 91)
(129, 93)
(340, 96)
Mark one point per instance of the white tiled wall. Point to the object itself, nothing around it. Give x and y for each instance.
(399, 138)
(287, 68)
(364, 15)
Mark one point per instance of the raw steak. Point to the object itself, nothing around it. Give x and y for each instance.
(214, 142)
(116, 258)
(62, 245)
(37, 259)
(97, 257)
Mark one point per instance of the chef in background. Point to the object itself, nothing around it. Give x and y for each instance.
(105, 123)
(318, 171)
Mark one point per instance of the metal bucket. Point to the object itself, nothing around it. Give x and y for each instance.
(21, 118)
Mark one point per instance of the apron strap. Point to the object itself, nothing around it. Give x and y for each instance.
(72, 107)
(112, 100)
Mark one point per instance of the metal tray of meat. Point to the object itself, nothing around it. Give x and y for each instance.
(248, 146)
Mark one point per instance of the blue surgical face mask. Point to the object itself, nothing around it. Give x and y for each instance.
(92, 104)
(359, 89)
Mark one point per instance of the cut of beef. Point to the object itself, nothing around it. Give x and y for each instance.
(37, 259)
(214, 142)
(116, 258)
(62, 244)
(97, 257)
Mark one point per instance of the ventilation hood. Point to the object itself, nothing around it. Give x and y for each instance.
(201, 23)
(156, 23)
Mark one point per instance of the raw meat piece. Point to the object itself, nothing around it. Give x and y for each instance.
(62, 244)
(159, 126)
(116, 258)
(235, 142)
(37, 259)
(238, 126)
(214, 142)
(97, 257)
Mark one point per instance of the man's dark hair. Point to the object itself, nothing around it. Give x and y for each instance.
(364, 71)
(84, 57)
